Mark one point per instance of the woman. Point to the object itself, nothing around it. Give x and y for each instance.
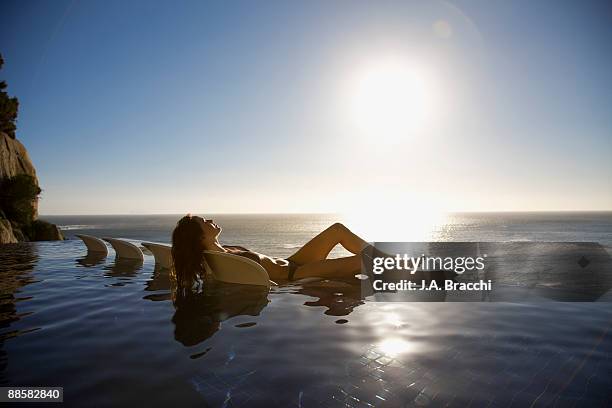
(194, 234)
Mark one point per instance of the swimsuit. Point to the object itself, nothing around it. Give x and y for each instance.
(292, 268)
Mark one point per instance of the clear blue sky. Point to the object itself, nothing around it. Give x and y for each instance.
(167, 107)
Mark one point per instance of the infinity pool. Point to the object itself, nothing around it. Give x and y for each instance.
(109, 333)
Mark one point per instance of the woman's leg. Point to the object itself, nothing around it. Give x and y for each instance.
(346, 267)
(320, 246)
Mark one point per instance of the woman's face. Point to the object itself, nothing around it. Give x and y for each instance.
(211, 230)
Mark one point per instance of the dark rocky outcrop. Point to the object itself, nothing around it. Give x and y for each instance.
(18, 216)
(45, 231)
(7, 236)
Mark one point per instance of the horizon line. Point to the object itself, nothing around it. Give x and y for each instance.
(322, 213)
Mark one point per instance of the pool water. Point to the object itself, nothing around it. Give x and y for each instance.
(110, 334)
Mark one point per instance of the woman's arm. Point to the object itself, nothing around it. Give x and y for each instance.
(238, 247)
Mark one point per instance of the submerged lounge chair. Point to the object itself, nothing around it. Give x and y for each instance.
(233, 268)
(221, 266)
(161, 252)
(224, 267)
(94, 244)
(125, 249)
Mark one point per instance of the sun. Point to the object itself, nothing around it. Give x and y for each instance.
(391, 96)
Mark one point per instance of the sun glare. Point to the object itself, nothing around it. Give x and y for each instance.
(391, 97)
(394, 216)
(393, 347)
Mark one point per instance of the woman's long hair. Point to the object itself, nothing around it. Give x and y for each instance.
(187, 255)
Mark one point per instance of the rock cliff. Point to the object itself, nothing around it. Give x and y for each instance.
(15, 161)
(14, 158)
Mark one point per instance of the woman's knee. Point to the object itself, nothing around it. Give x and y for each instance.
(339, 227)
(337, 233)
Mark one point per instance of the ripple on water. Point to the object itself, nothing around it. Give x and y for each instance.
(63, 322)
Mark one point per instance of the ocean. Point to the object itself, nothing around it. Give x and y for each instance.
(108, 332)
(281, 234)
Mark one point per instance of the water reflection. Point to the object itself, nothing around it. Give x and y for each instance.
(393, 347)
(124, 270)
(160, 281)
(16, 263)
(91, 259)
(198, 317)
(339, 297)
